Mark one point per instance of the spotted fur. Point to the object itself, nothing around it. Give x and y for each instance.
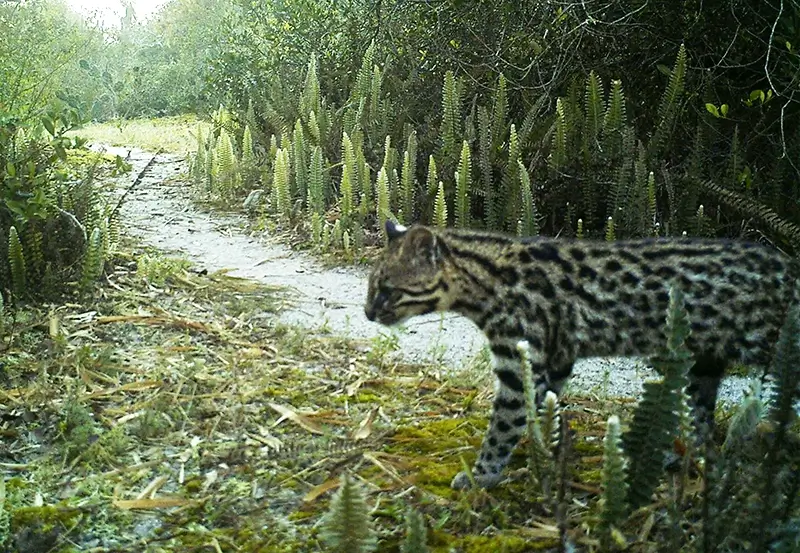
(575, 299)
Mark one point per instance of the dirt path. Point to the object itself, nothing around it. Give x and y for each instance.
(160, 214)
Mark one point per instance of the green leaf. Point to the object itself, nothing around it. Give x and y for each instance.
(664, 69)
(756, 94)
(49, 125)
(712, 109)
(11, 170)
(724, 110)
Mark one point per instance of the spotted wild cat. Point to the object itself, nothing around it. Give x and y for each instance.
(578, 298)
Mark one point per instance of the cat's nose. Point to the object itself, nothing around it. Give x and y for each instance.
(369, 311)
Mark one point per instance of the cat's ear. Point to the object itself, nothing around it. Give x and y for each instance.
(394, 231)
(423, 245)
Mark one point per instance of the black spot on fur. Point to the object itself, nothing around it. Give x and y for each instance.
(653, 285)
(630, 279)
(577, 254)
(510, 380)
(506, 404)
(503, 426)
(586, 272)
(520, 421)
(502, 350)
(666, 272)
(613, 265)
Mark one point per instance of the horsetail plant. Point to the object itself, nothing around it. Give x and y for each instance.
(16, 260)
(463, 187)
(408, 181)
(93, 260)
(528, 216)
(542, 427)
(613, 509)
(416, 533)
(281, 191)
(440, 208)
(347, 526)
(382, 209)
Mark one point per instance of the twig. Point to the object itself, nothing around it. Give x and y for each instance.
(74, 221)
(139, 178)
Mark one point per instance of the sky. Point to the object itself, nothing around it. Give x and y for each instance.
(111, 11)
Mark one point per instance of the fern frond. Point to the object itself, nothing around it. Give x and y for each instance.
(281, 192)
(300, 165)
(347, 196)
(440, 207)
(670, 105)
(382, 210)
(225, 170)
(749, 208)
(463, 187)
(93, 261)
(657, 417)
(540, 455)
(509, 184)
(310, 103)
(337, 234)
(34, 256)
(347, 526)
(614, 121)
(248, 156)
(451, 117)
(432, 182)
(593, 123)
(375, 112)
(558, 152)
(528, 216)
(16, 260)
(316, 183)
(614, 485)
(416, 533)
(499, 111)
(611, 230)
(316, 228)
(349, 160)
(492, 207)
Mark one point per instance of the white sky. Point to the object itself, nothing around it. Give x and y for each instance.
(111, 11)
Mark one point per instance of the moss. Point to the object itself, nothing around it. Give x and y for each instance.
(591, 476)
(442, 542)
(301, 515)
(45, 518)
(435, 436)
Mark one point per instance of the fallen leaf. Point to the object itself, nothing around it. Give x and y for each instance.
(317, 491)
(365, 428)
(295, 417)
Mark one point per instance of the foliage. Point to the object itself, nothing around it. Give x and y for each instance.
(615, 487)
(657, 417)
(416, 534)
(347, 527)
(542, 426)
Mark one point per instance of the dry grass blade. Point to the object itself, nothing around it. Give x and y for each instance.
(156, 503)
(320, 489)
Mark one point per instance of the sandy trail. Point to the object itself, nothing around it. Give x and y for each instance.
(159, 212)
